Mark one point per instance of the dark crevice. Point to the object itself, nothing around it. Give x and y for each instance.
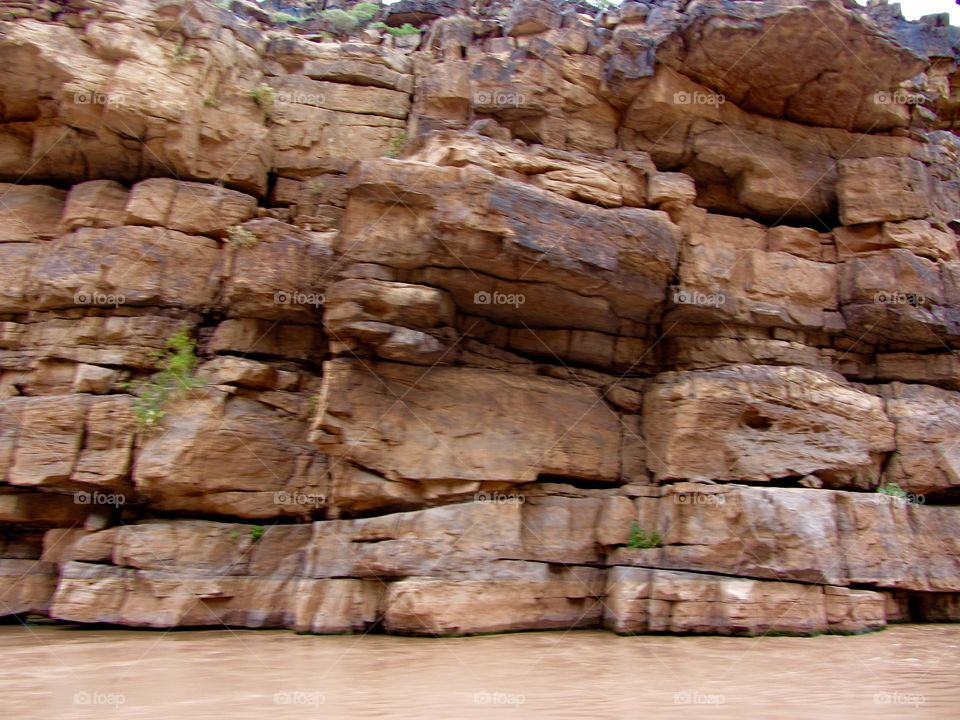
(577, 482)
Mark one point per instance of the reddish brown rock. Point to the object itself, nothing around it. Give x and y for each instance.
(882, 189)
(471, 308)
(641, 601)
(761, 423)
(400, 421)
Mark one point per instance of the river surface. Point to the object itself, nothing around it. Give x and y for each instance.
(908, 671)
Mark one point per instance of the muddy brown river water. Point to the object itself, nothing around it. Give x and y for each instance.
(908, 671)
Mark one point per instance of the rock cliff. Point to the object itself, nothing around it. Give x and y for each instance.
(455, 318)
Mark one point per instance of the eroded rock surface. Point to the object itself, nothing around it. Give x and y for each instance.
(537, 317)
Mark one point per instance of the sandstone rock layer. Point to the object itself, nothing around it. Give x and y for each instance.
(532, 317)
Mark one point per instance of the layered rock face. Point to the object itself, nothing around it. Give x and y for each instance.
(538, 317)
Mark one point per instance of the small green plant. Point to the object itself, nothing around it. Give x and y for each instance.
(256, 532)
(241, 237)
(893, 490)
(396, 145)
(176, 368)
(640, 539)
(402, 31)
(284, 17)
(234, 535)
(264, 96)
(184, 54)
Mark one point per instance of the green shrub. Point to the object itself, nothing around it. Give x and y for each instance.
(256, 532)
(264, 96)
(241, 237)
(893, 490)
(640, 539)
(176, 368)
(284, 17)
(396, 145)
(364, 12)
(342, 21)
(405, 29)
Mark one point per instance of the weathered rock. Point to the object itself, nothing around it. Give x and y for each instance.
(533, 255)
(528, 17)
(389, 318)
(579, 176)
(98, 204)
(882, 189)
(126, 266)
(229, 455)
(30, 212)
(342, 98)
(28, 586)
(397, 421)
(81, 442)
(463, 378)
(725, 272)
(896, 296)
(639, 600)
(792, 59)
(247, 336)
(824, 537)
(517, 595)
(744, 164)
(281, 275)
(126, 341)
(192, 208)
(927, 459)
(763, 423)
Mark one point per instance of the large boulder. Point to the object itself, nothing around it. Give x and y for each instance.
(758, 423)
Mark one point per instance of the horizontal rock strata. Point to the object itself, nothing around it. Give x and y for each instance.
(526, 316)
